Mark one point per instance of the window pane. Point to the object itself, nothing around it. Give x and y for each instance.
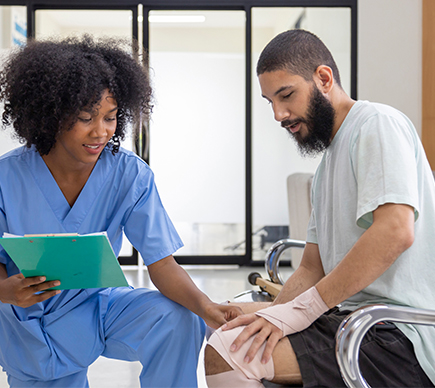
(76, 22)
(13, 32)
(198, 126)
(275, 156)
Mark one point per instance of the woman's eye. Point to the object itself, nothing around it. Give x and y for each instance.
(84, 119)
(110, 118)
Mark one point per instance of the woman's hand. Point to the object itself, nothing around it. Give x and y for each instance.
(215, 315)
(24, 292)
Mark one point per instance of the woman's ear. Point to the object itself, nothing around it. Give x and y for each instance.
(324, 78)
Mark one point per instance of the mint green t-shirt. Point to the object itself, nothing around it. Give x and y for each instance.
(376, 157)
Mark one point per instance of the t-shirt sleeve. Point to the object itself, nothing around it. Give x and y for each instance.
(384, 164)
(148, 226)
(312, 231)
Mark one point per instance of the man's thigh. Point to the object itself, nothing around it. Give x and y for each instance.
(386, 358)
(286, 364)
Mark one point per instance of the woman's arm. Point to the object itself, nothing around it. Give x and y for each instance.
(174, 282)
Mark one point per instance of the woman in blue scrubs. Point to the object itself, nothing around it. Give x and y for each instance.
(69, 102)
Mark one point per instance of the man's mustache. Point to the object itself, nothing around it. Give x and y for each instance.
(290, 123)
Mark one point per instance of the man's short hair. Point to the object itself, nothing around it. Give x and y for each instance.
(299, 52)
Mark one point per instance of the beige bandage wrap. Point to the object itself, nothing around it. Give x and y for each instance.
(296, 315)
(254, 370)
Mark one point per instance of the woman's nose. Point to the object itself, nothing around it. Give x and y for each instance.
(99, 129)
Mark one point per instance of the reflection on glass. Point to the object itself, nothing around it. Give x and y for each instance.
(13, 26)
(275, 156)
(13, 33)
(198, 126)
(76, 22)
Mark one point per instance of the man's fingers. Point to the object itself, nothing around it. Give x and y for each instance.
(270, 346)
(241, 320)
(246, 333)
(259, 340)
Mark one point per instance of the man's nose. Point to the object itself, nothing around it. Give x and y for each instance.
(281, 112)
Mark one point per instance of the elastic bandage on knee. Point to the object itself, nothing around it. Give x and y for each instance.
(254, 370)
(233, 378)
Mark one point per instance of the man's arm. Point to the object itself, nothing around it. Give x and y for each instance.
(391, 233)
(309, 273)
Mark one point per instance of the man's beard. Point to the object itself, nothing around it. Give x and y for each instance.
(319, 123)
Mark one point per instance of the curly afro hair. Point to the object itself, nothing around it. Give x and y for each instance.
(45, 84)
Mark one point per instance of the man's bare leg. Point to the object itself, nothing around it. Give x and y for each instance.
(251, 307)
(284, 359)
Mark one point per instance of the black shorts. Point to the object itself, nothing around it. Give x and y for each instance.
(386, 357)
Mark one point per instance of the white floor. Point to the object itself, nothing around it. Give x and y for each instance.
(220, 283)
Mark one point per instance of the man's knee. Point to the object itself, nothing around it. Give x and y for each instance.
(214, 363)
(223, 360)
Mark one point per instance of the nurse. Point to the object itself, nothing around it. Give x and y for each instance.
(69, 102)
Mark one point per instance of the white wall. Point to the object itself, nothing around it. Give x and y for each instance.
(390, 54)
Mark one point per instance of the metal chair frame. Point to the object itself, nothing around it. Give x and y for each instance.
(355, 326)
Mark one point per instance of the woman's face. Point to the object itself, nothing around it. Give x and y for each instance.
(84, 142)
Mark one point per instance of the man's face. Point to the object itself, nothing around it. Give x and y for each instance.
(301, 108)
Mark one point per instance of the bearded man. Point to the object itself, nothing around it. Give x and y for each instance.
(368, 241)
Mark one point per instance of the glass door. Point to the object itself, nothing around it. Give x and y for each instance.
(13, 33)
(274, 154)
(197, 130)
(221, 162)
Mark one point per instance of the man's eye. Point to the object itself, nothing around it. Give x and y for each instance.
(287, 95)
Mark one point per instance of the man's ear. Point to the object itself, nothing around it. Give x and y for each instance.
(324, 78)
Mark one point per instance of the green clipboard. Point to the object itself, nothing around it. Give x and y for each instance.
(78, 261)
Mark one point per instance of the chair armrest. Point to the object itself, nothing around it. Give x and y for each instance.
(274, 254)
(355, 326)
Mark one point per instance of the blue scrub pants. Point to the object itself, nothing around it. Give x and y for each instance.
(142, 325)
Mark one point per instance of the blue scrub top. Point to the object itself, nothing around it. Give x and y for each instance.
(120, 195)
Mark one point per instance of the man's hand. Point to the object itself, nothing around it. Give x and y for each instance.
(24, 292)
(264, 331)
(215, 315)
